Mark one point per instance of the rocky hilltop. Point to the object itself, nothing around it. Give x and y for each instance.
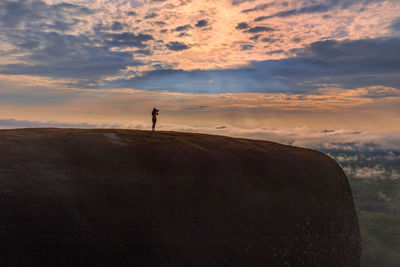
(71, 197)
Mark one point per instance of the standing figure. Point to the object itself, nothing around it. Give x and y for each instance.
(154, 114)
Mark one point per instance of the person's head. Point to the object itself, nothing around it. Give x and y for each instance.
(154, 109)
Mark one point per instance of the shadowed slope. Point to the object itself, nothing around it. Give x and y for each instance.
(121, 197)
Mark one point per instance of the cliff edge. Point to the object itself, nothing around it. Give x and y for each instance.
(97, 197)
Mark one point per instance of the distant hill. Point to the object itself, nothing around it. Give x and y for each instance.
(72, 197)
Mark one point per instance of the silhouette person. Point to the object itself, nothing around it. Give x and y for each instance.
(154, 114)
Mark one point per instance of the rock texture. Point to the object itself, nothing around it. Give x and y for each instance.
(72, 197)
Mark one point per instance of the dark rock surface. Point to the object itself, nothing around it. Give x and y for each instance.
(73, 197)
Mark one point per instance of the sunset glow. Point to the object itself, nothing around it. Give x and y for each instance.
(117, 118)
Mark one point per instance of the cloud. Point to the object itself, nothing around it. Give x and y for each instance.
(47, 42)
(319, 8)
(274, 52)
(269, 40)
(117, 26)
(258, 7)
(146, 52)
(71, 37)
(196, 81)
(131, 13)
(13, 124)
(202, 23)
(177, 46)
(350, 64)
(151, 15)
(238, 2)
(255, 37)
(221, 127)
(246, 47)
(379, 57)
(161, 23)
(68, 7)
(69, 56)
(128, 39)
(182, 34)
(29, 44)
(372, 173)
(258, 29)
(183, 28)
(296, 40)
(242, 26)
(194, 108)
(395, 25)
(16, 13)
(18, 124)
(322, 7)
(343, 140)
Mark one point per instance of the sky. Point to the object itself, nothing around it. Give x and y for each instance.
(276, 70)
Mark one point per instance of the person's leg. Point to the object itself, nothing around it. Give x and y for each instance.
(154, 125)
